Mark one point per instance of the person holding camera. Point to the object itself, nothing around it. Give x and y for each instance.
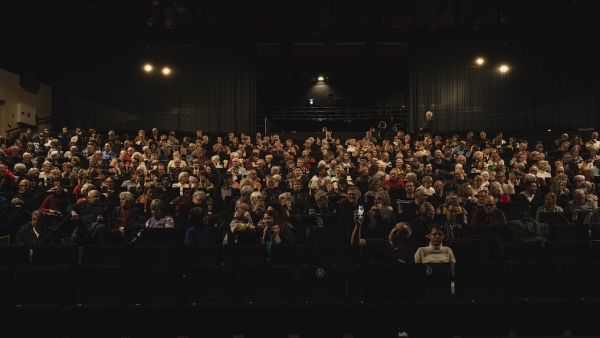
(392, 250)
(275, 231)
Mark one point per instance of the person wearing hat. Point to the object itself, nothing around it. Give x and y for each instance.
(321, 207)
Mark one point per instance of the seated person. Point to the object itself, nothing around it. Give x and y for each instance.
(159, 217)
(37, 231)
(435, 252)
(454, 225)
(489, 215)
(422, 223)
(25, 198)
(549, 205)
(394, 182)
(276, 232)
(530, 194)
(385, 251)
(197, 234)
(241, 229)
(580, 203)
(382, 213)
(94, 217)
(123, 216)
(352, 202)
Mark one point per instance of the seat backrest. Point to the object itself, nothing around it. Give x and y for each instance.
(55, 255)
(437, 281)
(211, 284)
(553, 218)
(479, 281)
(567, 251)
(596, 231)
(373, 232)
(570, 233)
(327, 236)
(104, 285)
(581, 280)
(245, 255)
(523, 252)
(105, 255)
(43, 285)
(144, 255)
(321, 284)
(532, 281)
(340, 255)
(266, 284)
(6, 286)
(292, 255)
(382, 283)
(513, 207)
(200, 255)
(155, 285)
(14, 255)
(163, 236)
(595, 248)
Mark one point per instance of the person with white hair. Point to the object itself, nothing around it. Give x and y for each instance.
(216, 160)
(429, 125)
(580, 204)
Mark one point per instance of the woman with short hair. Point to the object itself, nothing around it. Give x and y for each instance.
(549, 205)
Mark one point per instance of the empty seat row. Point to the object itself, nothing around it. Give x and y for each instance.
(368, 301)
(256, 255)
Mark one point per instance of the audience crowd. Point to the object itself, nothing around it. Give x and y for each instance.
(82, 186)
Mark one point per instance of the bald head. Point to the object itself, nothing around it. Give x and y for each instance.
(399, 233)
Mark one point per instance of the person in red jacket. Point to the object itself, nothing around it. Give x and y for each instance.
(394, 182)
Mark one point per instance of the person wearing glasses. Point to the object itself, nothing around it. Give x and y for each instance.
(489, 215)
(454, 226)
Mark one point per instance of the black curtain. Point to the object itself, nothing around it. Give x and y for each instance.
(551, 83)
(212, 88)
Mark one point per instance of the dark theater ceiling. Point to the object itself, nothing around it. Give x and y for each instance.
(32, 31)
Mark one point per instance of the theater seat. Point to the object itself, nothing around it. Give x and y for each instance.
(42, 292)
(486, 310)
(540, 310)
(154, 290)
(581, 280)
(380, 296)
(100, 293)
(211, 296)
(322, 311)
(266, 306)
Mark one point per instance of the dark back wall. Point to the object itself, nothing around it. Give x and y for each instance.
(360, 83)
(106, 88)
(552, 83)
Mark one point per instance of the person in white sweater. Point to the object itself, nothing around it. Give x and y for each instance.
(435, 252)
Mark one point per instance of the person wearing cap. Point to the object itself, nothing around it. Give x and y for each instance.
(321, 207)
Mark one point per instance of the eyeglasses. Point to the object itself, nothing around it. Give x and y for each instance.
(488, 205)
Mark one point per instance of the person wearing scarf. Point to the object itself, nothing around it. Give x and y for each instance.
(122, 217)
